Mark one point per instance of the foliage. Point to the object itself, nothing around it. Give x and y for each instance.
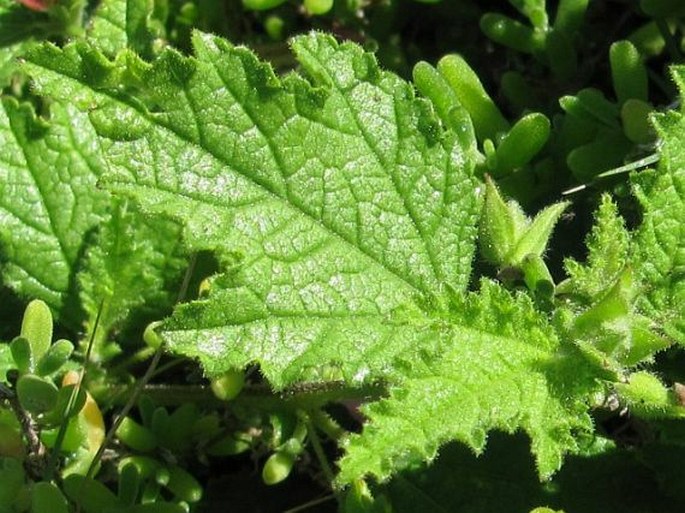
(372, 280)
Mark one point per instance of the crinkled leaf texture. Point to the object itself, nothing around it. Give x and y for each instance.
(48, 198)
(334, 203)
(608, 253)
(497, 367)
(51, 216)
(132, 265)
(344, 217)
(660, 241)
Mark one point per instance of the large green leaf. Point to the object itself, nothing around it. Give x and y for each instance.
(499, 367)
(333, 202)
(344, 218)
(48, 199)
(660, 241)
(55, 223)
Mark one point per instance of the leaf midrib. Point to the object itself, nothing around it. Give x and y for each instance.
(154, 122)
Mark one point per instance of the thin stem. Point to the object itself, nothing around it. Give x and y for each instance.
(138, 388)
(318, 450)
(254, 396)
(313, 502)
(54, 455)
(669, 39)
(643, 162)
(36, 450)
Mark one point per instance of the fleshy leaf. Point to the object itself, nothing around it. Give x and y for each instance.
(498, 367)
(48, 199)
(334, 203)
(659, 254)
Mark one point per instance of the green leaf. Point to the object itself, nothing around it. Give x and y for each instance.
(129, 267)
(497, 367)
(18, 24)
(333, 203)
(659, 254)
(608, 245)
(47, 498)
(48, 199)
(119, 24)
(36, 328)
(344, 216)
(647, 397)
(534, 240)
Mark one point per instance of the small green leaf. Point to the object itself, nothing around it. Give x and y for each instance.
(508, 32)
(58, 354)
(648, 397)
(537, 276)
(47, 498)
(608, 247)
(590, 104)
(488, 121)
(534, 240)
(569, 15)
(129, 484)
(183, 485)
(90, 495)
(132, 265)
(135, 436)
(37, 328)
(498, 231)
(22, 355)
(635, 118)
(561, 55)
(36, 394)
(628, 73)
(228, 385)
(277, 468)
(525, 139)
(318, 7)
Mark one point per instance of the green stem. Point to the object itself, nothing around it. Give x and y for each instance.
(669, 39)
(305, 396)
(327, 425)
(320, 453)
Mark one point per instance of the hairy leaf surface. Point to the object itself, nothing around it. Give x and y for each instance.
(498, 368)
(608, 253)
(129, 267)
(660, 241)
